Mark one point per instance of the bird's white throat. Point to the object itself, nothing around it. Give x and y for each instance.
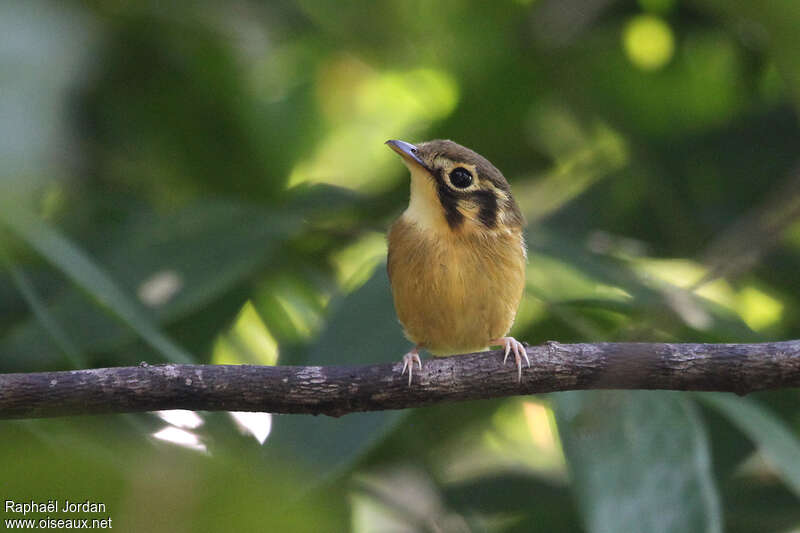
(424, 208)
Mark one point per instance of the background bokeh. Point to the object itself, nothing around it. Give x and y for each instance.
(207, 182)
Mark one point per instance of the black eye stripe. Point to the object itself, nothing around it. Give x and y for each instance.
(487, 203)
(449, 200)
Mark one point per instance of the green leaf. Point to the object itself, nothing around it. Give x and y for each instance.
(653, 304)
(754, 506)
(89, 276)
(536, 504)
(639, 461)
(43, 316)
(778, 444)
(207, 249)
(778, 20)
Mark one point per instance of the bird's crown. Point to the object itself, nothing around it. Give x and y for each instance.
(459, 185)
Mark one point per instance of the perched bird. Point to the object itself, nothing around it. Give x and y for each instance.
(456, 255)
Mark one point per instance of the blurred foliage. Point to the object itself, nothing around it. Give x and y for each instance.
(207, 182)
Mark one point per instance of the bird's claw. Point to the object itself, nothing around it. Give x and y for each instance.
(408, 364)
(512, 344)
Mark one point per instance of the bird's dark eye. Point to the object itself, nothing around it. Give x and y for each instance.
(460, 177)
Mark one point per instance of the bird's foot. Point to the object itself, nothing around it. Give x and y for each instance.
(408, 363)
(512, 344)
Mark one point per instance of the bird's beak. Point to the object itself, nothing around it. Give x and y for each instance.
(408, 152)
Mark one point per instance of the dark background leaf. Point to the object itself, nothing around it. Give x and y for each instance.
(633, 452)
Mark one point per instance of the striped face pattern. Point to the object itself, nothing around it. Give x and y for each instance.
(468, 191)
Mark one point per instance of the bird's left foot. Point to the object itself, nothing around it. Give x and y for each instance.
(512, 344)
(408, 363)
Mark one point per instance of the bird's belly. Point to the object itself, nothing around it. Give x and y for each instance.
(457, 299)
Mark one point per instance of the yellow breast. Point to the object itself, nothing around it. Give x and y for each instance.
(455, 292)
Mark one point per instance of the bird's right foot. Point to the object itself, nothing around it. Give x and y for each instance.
(512, 345)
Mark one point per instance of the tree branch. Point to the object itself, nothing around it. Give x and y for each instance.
(338, 390)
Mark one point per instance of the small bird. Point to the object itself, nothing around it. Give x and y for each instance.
(456, 255)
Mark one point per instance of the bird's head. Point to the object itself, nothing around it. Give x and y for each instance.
(457, 190)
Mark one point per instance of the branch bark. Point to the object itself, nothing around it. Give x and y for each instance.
(338, 390)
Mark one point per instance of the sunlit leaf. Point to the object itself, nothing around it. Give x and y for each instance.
(571, 272)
